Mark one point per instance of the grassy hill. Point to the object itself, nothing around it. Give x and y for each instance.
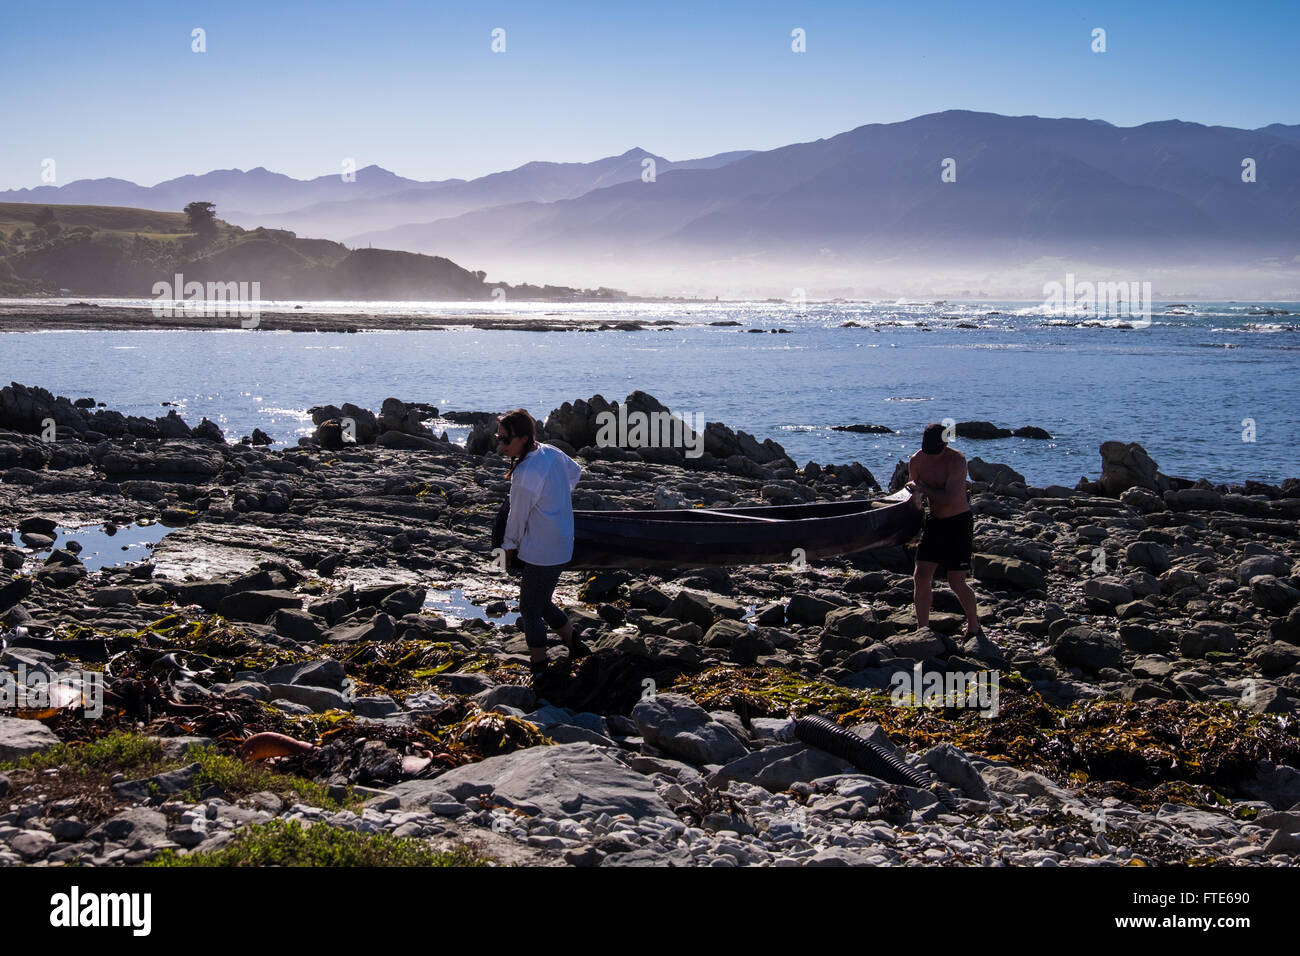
(118, 251)
(113, 219)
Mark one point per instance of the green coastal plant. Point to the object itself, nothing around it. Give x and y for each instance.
(289, 843)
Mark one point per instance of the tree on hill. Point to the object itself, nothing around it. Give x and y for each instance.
(46, 226)
(201, 217)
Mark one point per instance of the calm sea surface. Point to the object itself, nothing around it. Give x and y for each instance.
(1183, 387)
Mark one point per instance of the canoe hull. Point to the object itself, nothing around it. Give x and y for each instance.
(698, 538)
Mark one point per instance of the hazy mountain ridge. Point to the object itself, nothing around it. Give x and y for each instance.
(331, 207)
(851, 210)
(1160, 195)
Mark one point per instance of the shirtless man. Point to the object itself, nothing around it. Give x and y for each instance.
(939, 473)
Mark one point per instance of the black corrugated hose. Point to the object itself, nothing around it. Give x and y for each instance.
(868, 757)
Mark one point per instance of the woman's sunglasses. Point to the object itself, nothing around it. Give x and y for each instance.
(506, 439)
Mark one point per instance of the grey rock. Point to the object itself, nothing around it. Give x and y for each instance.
(567, 780)
(428, 795)
(1004, 779)
(1280, 842)
(319, 699)
(776, 728)
(253, 690)
(1277, 784)
(1013, 572)
(1262, 564)
(1200, 822)
(1088, 648)
(155, 788)
(1271, 594)
(725, 633)
(21, 738)
(326, 672)
(1275, 658)
(32, 844)
(379, 706)
(776, 768)
(510, 695)
(1125, 466)
(256, 606)
(404, 601)
(1149, 555)
(917, 645)
(678, 726)
(109, 597)
(298, 625)
(1205, 637)
(806, 609)
(692, 607)
(952, 766)
(469, 684)
(137, 828)
(1285, 821)
(186, 836)
(378, 628)
(67, 829)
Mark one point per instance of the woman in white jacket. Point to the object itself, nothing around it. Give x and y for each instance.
(539, 530)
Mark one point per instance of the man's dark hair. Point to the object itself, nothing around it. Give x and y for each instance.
(932, 442)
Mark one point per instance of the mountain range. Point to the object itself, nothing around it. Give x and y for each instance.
(998, 203)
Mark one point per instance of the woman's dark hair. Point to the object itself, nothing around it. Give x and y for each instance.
(518, 422)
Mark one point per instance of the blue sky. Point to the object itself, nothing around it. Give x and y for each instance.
(113, 89)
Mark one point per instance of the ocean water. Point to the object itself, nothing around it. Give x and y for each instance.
(1210, 391)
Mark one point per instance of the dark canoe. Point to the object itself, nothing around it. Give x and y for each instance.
(706, 537)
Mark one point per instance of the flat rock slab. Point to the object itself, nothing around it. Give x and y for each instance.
(567, 780)
(776, 768)
(20, 738)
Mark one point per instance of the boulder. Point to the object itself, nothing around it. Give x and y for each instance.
(256, 606)
(139, 828)
(568, 780)
(776, 768)
(1129, 466)
(1193, 499)
(806, 609)
(725, 633)
(1012, 572)
(981, 430)
(1275, 658)
(1272, 594)
(1088, 649)
(692, 607)
(998, 476)
(1262, 564)
(680, 727)
(21, 738)
(953, 767)
(1149, 555)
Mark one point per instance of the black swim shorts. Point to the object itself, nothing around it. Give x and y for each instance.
(947, 541)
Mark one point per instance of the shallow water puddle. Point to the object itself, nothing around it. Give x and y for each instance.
(104, 545)
(455, 606)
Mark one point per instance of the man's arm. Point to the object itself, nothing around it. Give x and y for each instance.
(955, 489)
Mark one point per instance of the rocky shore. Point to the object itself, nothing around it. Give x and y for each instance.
(322, 636)
(37, 316)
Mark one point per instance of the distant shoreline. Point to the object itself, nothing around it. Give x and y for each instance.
(45, 317)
